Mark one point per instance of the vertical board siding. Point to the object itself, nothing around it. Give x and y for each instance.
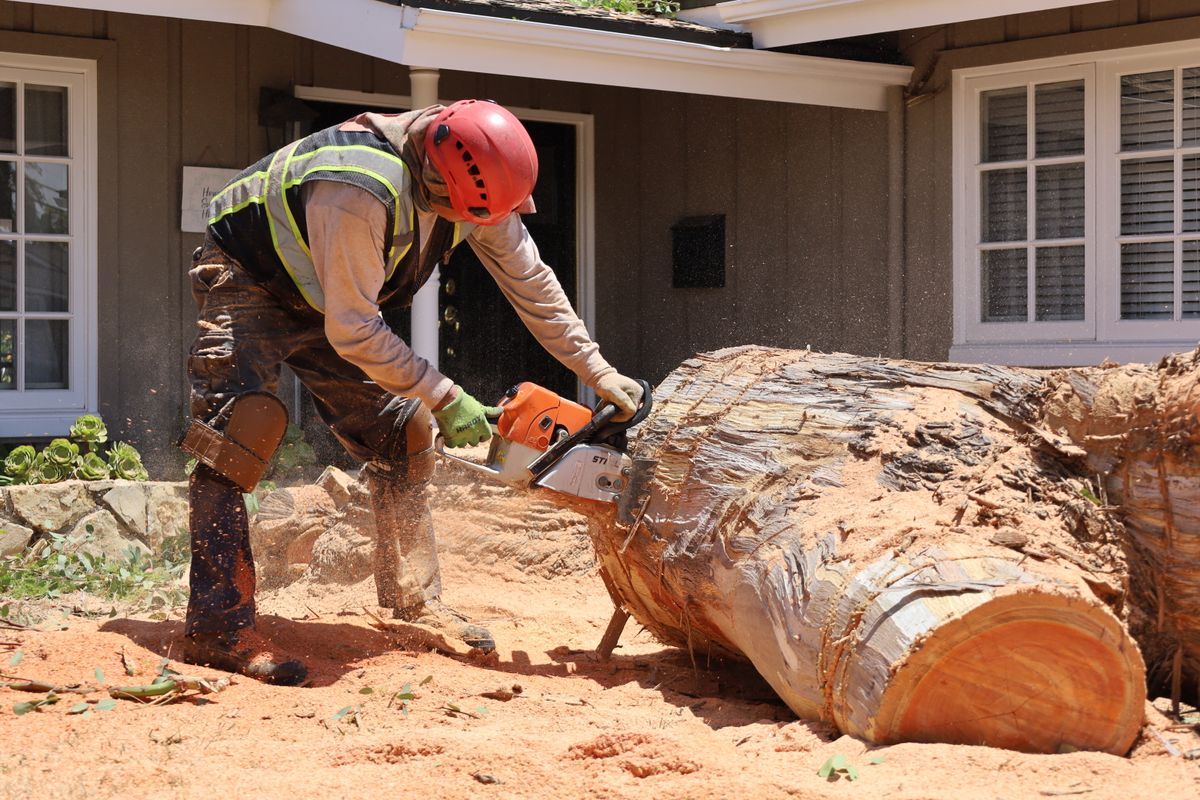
(793, 182)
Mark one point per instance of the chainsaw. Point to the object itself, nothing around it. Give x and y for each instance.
(544, 440)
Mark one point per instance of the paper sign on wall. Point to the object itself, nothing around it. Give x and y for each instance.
(200, 185)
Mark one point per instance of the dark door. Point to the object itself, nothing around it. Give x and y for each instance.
(484, 345)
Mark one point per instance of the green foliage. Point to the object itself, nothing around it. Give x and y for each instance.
(57, 566)
(61, 452)
(92, 467)
(19, 463)
(77, 457)
(90, 429)
(658, 8)
(837, 766)
(126, 463)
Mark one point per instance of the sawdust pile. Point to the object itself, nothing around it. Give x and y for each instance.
(540, 718)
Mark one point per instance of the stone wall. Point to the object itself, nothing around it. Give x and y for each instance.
(114, 515)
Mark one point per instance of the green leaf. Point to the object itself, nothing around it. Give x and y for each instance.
(21, 709)
(108, 704)
(79, 708)
(99, 676)
(15, 658)
(838, 762)
(366, 690)
(851, 772)
(825, 769)
(877, 760)
(341, 712)
(425, 680)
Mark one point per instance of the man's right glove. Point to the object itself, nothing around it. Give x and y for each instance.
(464, 420)
(624, 393)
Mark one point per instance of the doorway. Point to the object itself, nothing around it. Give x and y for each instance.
(483, 344)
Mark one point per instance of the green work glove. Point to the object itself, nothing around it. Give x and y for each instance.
(624, 393)
(464, 420)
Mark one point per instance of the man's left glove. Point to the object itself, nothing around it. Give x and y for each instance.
(464, 420)
(624, 393)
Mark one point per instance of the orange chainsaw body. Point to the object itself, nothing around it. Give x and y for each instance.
(533, 416)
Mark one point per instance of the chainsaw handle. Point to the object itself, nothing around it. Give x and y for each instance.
(439, 447)
(611, 429)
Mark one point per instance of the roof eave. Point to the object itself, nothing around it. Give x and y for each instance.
(779, 23)
(474, 43)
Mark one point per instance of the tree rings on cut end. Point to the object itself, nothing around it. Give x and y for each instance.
(1030, 670)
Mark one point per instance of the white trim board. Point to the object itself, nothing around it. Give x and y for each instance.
(474, 43)
(777, 23)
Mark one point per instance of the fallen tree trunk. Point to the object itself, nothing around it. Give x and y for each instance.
(917, 552)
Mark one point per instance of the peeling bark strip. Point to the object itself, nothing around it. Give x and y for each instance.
(914, 552)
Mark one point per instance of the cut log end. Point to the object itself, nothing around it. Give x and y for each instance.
(1031, 671)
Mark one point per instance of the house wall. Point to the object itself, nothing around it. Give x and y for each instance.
(935, 52)
(803, 188)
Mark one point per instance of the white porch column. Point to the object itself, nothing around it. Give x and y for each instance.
(425, 342)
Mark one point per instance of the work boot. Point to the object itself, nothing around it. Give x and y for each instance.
(244, 651)
(441, 617)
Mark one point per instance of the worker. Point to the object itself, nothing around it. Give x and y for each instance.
(303, 251)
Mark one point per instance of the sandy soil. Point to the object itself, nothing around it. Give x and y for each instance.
(648, 723)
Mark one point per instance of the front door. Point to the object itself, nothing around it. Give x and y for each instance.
(484, 345)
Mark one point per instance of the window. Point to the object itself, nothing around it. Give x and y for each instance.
(1077, 209)
(47, 251)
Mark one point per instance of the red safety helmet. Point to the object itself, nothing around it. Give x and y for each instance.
(485, 156)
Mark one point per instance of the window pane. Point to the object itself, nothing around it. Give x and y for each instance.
(47, 276)
(1005, 283)
(8, 357)
(1148, 196)
(46, 198)
(1060, 201)
(8, 276)
(1191, 107)
(1148, 280)
(1059, 283)
(1148, 111)
(46, 365)
(8, 118)
(8, 196)
(1004, 205)
(1004, 127)
(1191, 280)
(1058, 119)
(45, 120)
(1191, 193)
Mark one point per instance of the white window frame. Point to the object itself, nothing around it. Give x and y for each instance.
(1102, 334)
(48, 412)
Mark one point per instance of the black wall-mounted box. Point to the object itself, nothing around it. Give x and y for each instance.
(698, 252)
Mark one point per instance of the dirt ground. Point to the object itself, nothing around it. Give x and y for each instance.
(559, 723)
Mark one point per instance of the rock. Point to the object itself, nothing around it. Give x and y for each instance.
(337, 484)
(127, 500)
(14, 537)
(283, 531)
(346, 552)
(166, 512)
(99, 533)
(51, 507)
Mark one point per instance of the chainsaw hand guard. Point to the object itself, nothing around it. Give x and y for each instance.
(240, 440)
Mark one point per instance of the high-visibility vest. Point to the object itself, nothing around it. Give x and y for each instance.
(259, 217)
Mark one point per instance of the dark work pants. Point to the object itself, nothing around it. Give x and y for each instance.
(245, 334)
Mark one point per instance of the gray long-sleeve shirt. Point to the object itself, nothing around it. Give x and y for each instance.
(347, 227)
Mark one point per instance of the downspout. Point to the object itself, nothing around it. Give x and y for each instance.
(425, 309)
(896, 267)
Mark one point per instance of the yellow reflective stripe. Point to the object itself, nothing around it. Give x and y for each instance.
(290, 247)
(236, 196)
(287, 168)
